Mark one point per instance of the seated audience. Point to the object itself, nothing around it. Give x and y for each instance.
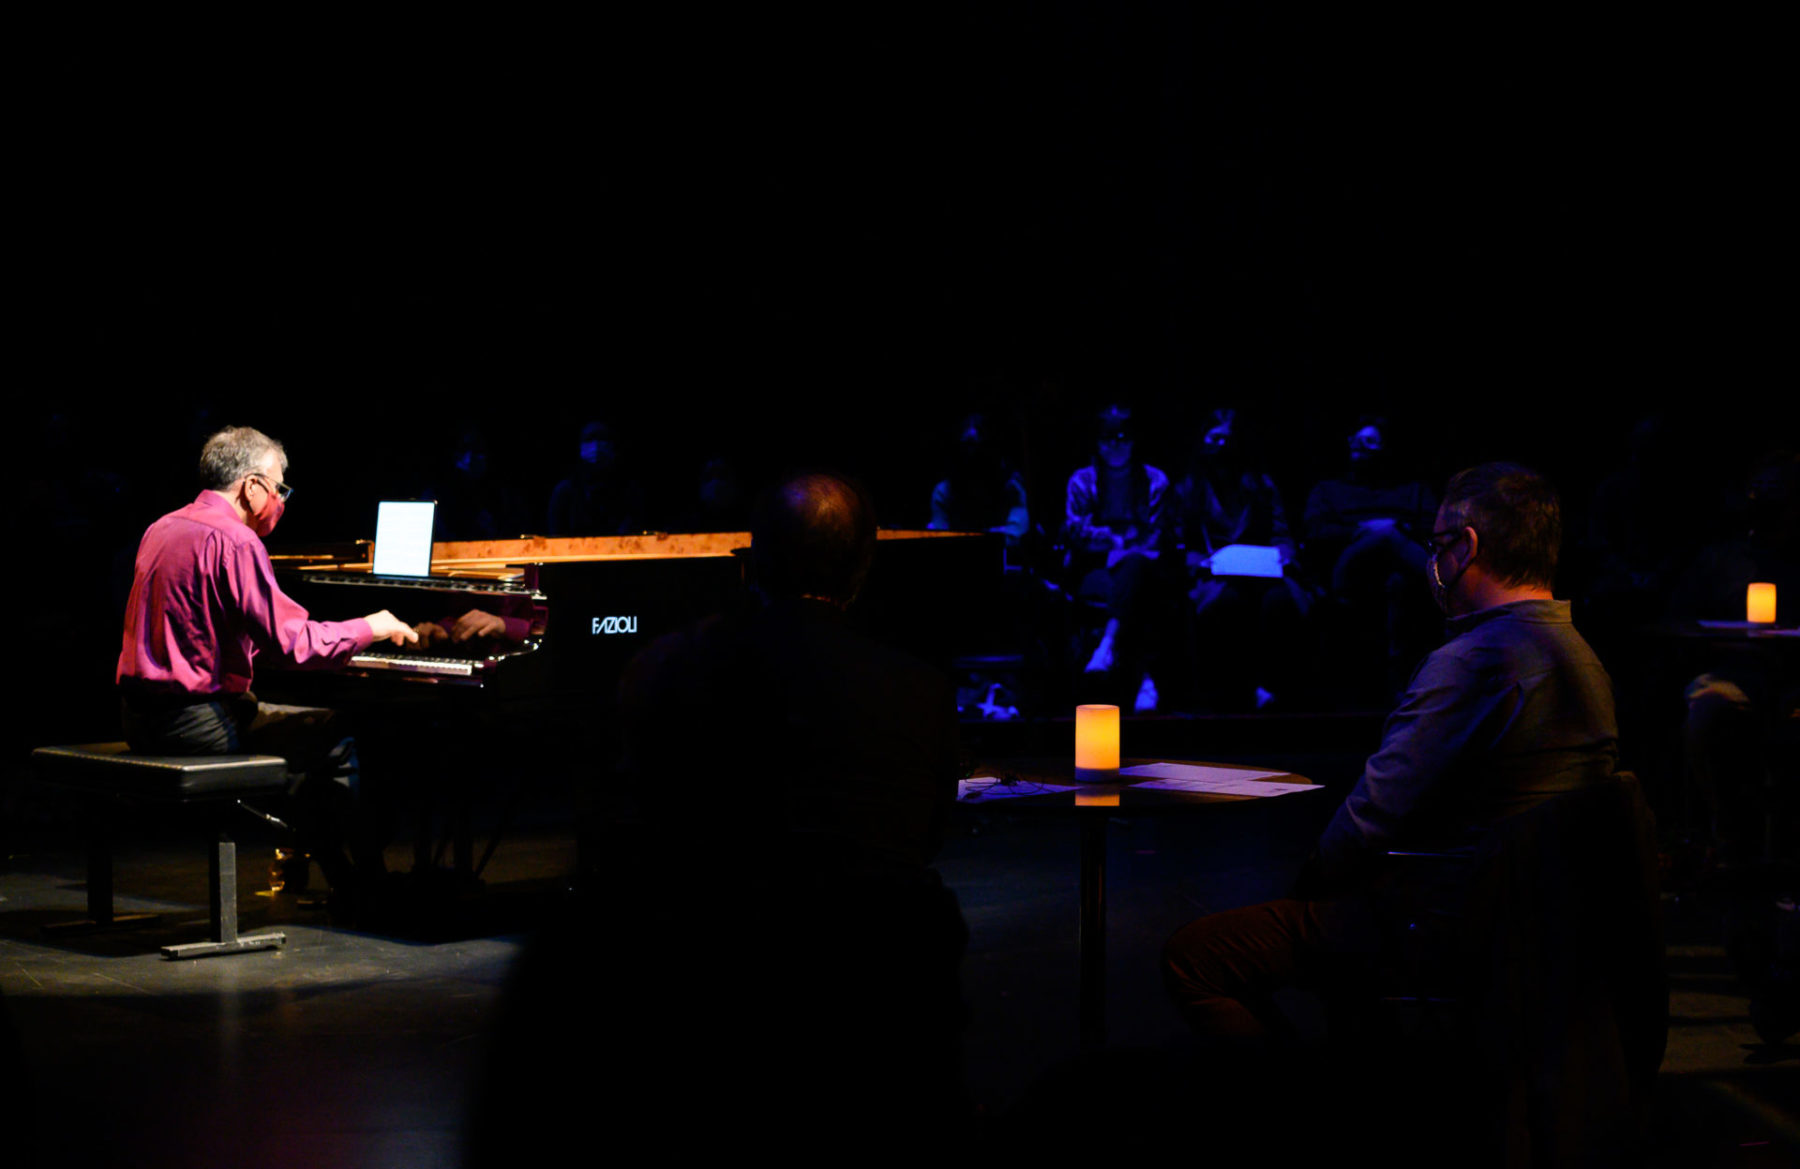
(1643, 524)
(1742, 708)
(1364, 534)
(1113, 524)
(718, 502)
(472, 504)
(982, 493)
(1245, 628)
(596, 499)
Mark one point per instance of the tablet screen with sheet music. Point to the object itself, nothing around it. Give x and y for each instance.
(403, 537)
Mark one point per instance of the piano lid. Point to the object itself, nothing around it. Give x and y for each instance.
(499, 559)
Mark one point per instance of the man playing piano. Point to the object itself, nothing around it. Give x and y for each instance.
(204, 605)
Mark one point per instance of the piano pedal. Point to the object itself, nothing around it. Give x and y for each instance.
(290, 871)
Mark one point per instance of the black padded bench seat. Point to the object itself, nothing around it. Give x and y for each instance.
(111, 767)
(110, 773)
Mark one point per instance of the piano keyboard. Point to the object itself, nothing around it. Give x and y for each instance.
(417, 664)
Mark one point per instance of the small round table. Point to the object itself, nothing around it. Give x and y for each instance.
(1092, 803)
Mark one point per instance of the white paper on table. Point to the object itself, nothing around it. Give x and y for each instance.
(1225, 781)
(1246, 560)
(1193, 771)
(984, 788)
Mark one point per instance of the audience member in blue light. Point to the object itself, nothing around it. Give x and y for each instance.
(597, 499)
(981, 493)
(717, 502)
(1364, 534)
(1245, 628)
(1113, 524)
(473, 503)
(1643, 524)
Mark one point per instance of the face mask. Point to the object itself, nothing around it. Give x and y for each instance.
(264, 522)
(1365, 445)
(1440, 589)
(1221, 451)
(597, 454)
(1115, 452)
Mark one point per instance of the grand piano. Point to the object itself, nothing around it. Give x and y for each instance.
(586, 605)
(542, 703)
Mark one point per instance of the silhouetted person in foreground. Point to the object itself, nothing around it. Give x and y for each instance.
(780, 966)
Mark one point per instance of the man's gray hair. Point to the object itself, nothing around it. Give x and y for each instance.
(233, 453)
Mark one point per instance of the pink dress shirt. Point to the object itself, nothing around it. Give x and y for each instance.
(204, 603)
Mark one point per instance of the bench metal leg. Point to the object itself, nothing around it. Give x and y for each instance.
(222, 868)
(100, 918)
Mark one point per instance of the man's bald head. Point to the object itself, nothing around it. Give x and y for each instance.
(813, 536)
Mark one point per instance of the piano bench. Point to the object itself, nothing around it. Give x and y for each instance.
(110, 774)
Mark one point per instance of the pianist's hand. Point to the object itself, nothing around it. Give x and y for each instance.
(388, 627)
(475, 624)
(430, 634)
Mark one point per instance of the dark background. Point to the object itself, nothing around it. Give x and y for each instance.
(802, 238)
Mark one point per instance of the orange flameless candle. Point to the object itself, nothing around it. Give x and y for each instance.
(1759, 603)
(1096, 744)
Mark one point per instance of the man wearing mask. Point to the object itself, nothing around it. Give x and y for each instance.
(1513, 710)
(597, 498)
(204, 605)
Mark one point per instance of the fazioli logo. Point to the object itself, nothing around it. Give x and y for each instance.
(615, 625)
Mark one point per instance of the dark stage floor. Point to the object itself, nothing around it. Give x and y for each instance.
(358, 1049)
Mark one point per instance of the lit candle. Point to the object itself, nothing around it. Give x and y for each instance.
(1759, 603)
(1096, 744)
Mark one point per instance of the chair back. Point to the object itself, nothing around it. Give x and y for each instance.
(1567, 987)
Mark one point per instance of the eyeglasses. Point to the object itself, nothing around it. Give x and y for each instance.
(1437, 549)
(281, 490)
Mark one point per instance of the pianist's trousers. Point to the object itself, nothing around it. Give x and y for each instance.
(1222, 970)
(314, 741)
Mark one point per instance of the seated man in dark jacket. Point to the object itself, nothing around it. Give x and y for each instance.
(1513, 710)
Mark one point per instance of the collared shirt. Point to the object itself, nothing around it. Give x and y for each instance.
(204, 604)
(1512, 710)
(1123, 503)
